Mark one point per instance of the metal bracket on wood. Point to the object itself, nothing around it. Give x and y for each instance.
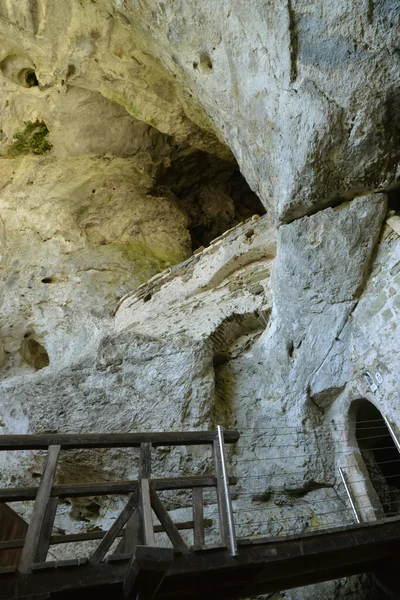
(226, 493)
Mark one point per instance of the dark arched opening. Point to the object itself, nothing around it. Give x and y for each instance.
(380, 455)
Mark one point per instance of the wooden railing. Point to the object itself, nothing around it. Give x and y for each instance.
(134, 525)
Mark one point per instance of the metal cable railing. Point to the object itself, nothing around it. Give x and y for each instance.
(270, 493)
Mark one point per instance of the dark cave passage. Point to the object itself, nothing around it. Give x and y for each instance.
(212, 192)
(380, 455)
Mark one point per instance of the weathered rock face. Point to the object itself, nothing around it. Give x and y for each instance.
(77, 234)
(284, 84)
(93, 204)
(118, 124)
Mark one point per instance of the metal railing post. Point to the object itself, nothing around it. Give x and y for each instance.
(392, 433)
(348, 492)
(227, 494)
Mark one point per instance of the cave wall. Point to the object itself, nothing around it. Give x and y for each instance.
(121, 125)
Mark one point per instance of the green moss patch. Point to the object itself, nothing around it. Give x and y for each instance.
(31, 140)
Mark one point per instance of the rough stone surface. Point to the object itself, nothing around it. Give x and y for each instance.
(202, 297)
(283, 83)
(76, 235)
(119, 119)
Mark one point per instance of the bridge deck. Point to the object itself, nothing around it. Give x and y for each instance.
(262, 566)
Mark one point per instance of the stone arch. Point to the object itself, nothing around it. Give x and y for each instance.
(235, 334)
(378, 451)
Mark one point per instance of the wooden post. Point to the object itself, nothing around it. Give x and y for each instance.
(223, 521)
(198, 517)
(46, 531)
(40, 509)
(145, 517)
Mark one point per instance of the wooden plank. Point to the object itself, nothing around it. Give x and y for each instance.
(198, 517)
(109, 488)
(39, 511)
(223, 520)
(145, 461)
(147, 519)
(167, 522)
(113, 440)
(47, 528)
(130, 533)
(140, 531)
(296, 563)
(114, 530)
(94, 535)
(154, 558)
(145, 516)
(12, 527)
(8, 569)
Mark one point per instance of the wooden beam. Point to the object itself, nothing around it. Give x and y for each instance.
(109, 488)
(300, 560)
(46, 531)
(145, 517)
(12, 527)
(168, 524)
(132, 536)
(94, 535)
(114, 530)
(113, 440)
(198, 517)
(39, 511)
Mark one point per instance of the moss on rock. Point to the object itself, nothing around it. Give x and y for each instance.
(30, 140)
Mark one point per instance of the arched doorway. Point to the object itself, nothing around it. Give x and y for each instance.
(381, 457)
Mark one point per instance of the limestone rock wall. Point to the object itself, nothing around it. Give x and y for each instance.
(89, 210)
(282, 83)
(119, 122)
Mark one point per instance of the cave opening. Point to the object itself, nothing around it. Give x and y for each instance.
(33, 353)
(211, 191)
(380, 455)
(31, 79)
(394, 199)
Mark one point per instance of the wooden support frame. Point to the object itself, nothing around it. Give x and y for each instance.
(166, 521)
(114, 530)
(40, 512)
(147, 566)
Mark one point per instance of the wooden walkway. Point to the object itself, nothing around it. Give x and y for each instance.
(137, 568)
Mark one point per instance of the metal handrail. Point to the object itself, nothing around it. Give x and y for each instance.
(349, 495)
(227, 494)
(392, 433)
